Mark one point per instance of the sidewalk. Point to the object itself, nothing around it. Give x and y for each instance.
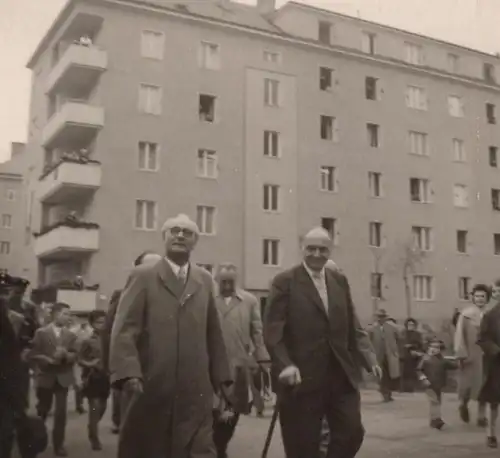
(396, 430)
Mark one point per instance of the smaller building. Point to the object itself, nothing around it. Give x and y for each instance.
(12, 212)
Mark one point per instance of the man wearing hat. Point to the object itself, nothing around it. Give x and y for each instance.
(239, 312)
(314, 338)
(167, 350)
(385, 338)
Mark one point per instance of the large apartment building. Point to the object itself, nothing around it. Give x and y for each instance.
(261, 123)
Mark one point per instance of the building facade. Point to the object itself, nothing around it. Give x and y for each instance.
(14, 241)
(261, 123)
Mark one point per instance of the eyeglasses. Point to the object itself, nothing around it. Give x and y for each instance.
(183, 230)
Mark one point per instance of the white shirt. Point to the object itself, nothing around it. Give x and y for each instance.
(57, 330)
(319, 281)
(177, 269)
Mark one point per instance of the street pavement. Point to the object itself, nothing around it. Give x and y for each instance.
(396, 430)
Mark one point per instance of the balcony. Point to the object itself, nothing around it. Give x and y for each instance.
(69, 179)
(63, 240)
(79, 68)
(82, 301)
(76, 122)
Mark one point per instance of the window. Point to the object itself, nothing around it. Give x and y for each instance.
(272, 57)
(453, 63)
(150, 99)
(419, 143)
(146, 215)
(325, 79)
(459, 153)
(462, 241)
(493, 156)
(205, 218)
(375, 234)
(328, 178)
(490, 113)
(271, 197)
(325, 32)
(152, 44)
(376, 282)
(4, 247)
(329, 225)
(373, 135)
(271, 252)
(209, 57)
(422, 238)
(10, 194)
(414, 54)
(368, 43)
(6, 221)
(456, 106)
(271, 92)
(371, 88)
(329, 129)
(423, 287)
(148, 156)
(375, 184)
(460, 195)
(463, 288)
(207, 163)
(489, 73)
(208, 267)
(207, 108)
(496, 243)
(271, 143)
(495, 199)
(420, 190)
(416, 98)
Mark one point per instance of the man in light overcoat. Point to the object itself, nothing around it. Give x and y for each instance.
(239, 312)
(167, 350)
(385, 338)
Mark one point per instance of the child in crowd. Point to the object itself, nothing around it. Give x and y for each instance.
(432, 372)
(96, 385)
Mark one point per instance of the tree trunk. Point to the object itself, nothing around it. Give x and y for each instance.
(407, 296)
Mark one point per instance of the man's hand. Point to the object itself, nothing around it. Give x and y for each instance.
(133, 385)
(426, 383)
(290, 376)
(377, 371)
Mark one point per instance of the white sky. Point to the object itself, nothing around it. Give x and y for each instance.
(473, 23)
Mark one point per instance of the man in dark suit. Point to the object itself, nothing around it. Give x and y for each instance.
(54, 351)
(315, 341)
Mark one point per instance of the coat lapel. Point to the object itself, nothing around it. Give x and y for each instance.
(335, 293)
(169, 279)
(310, 290)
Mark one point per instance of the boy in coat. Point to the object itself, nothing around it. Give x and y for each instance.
(432, 371)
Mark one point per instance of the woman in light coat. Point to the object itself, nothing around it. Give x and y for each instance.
(470, 355)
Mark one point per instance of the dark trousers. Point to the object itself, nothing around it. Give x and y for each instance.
(387, 384)
(45, 398)
(7, 431)
(116, 407)
(301, 416)
(223, 432)
(97, 409)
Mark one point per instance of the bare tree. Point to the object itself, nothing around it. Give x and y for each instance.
(411, 257)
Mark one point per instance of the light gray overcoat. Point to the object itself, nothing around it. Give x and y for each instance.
(170, 337)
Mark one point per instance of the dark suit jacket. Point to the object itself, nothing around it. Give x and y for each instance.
(298, 331)
(45, 344)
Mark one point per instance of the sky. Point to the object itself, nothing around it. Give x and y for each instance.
(23, 23)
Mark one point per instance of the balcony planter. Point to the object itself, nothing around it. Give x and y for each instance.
(70, 224)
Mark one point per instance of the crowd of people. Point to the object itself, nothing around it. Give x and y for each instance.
(192, 355)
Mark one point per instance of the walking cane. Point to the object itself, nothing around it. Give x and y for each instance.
(270, 431)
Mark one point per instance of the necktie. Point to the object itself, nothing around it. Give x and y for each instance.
(182, 276)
